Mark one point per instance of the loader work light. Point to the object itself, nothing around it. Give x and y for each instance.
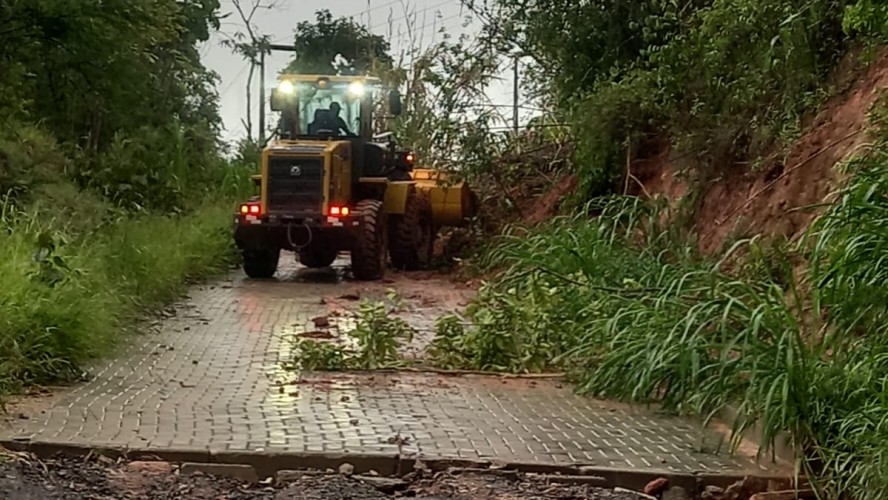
(280, 95)
(356, 89)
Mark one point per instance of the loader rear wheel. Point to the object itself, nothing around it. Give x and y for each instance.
(261, 263)
(368, 254)
(411, 238)
(317, 258)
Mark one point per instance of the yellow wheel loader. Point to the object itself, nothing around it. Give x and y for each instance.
(328, 185)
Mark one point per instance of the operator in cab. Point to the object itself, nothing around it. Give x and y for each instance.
(329, 119)
(338, 124)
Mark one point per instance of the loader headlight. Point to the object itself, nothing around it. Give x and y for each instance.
(356, 89)
(286, 87)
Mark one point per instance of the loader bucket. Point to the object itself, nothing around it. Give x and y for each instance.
(453, 203)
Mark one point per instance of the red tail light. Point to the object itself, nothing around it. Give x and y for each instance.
(336, 211)
(251, 209)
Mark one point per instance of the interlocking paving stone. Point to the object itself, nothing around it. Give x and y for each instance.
(212, 378)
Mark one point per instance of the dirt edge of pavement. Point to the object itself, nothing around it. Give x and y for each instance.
(273, 464)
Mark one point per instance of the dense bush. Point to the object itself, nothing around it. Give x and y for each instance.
(120, 87)
(28, 157)
(113, 190)
(722, 80)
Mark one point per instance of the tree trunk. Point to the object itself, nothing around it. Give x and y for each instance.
(249, 120)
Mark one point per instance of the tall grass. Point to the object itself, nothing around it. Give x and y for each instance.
(625, 306)
(68, 295)
(849, 258)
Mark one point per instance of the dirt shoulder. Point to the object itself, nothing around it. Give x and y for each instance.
(25, 478)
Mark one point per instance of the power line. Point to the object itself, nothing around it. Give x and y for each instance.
(441, 22)
(367, 11)
(401, 35)
(410, 14)
(234, 80)
(390, 22)
(520, 106)
(375, 8)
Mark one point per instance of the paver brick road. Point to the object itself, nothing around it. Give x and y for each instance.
(211, 377)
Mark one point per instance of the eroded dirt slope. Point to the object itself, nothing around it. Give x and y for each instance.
(782, 197)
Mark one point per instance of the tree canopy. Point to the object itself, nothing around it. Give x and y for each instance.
(340, 46)
(120, 83)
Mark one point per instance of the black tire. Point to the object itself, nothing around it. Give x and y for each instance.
(261, 264)
(368, 255)
(411, 235)
(317, 258)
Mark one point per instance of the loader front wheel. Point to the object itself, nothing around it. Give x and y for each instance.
(261, 264)
(368, 254)
(411, 238)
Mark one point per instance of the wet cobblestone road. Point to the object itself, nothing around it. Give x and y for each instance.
(210, 377)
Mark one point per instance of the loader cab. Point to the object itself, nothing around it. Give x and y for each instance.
(325, 107)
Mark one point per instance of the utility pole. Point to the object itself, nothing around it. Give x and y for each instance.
(515, 98)
(262, 98)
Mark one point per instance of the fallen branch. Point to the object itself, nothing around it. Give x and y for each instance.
(485, 373)
(643, 189)
(784, 495)
(636, 493)
(454, 373)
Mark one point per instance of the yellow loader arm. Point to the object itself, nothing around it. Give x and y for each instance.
(453, 203)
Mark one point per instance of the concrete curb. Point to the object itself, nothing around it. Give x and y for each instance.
(274, 464)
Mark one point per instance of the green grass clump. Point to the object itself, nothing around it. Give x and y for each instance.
(67, 295)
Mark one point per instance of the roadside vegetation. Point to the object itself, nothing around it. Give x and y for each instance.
(617, 295)
(113, 191)
(644, 320)
(114, 194)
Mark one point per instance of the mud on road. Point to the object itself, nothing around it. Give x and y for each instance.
(102, 479)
